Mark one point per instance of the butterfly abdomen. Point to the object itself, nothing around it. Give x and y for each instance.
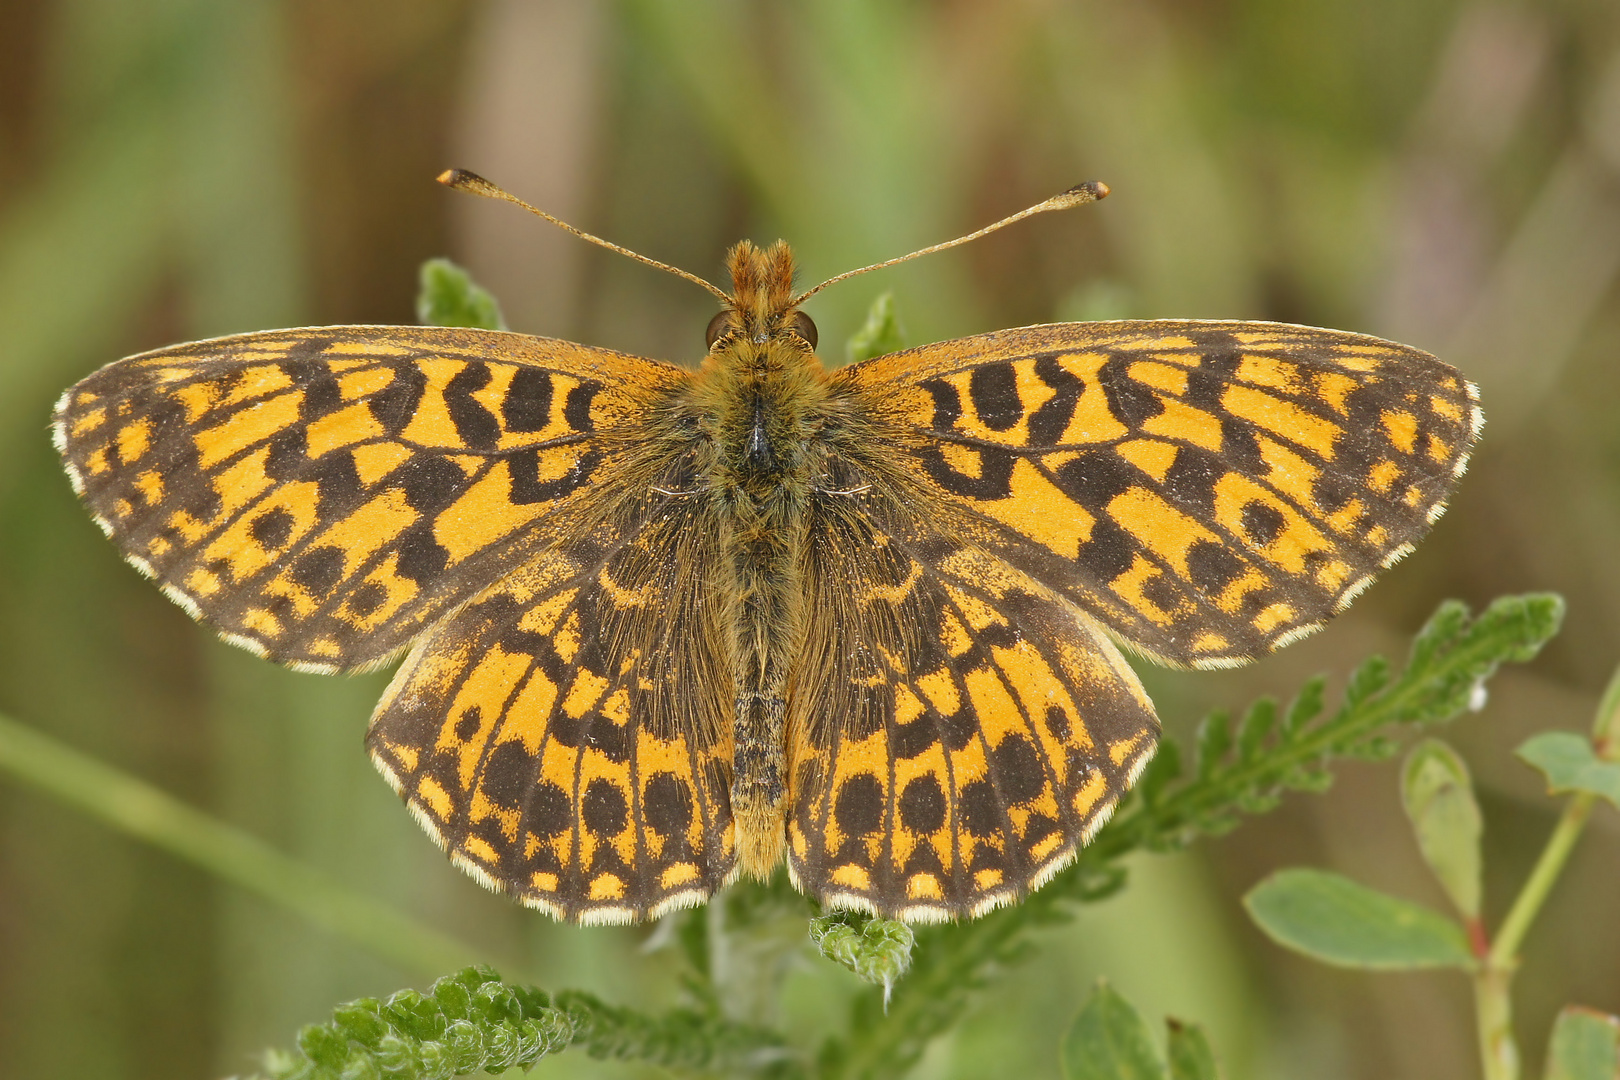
(762, 399)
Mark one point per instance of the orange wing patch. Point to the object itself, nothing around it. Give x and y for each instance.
(1208, 491)
(564, 737)
(958, 732)
(321, 496)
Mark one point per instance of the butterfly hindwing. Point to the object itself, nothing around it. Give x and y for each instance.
(1208, 490)
(957, 730)
(566, 735)
(322, 495)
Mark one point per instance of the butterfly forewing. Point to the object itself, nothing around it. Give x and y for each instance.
(1207, 490)
(323, 495)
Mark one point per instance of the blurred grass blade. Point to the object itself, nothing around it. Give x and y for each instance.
(1570, 763)
(137, 808)
(1110, 1041)
(1438, 796)
(1191, 1057)
(1585, 1046)
(1330, 918)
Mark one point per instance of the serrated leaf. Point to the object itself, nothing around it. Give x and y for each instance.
(1110, 1041)
(1369, 677)
(880, 334)
(1313, 778)
(1443, 630)
(1098, 882)
(1164, 767)
(1191, 1056)
(324, 1045)
(1256, 725)
(877, 950)
(1373, 748)
(359, 1021)
(1517, 626)
(1569, 763)
(1330, 918)
(1438, 796)
(1214, 739)
(1307, 704)
(448, 296)
(1217, 822)
(1585, 1045)
(1258, 802)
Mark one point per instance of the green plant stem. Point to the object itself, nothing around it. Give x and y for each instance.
(138, 809)
(1493, 1009)
(1505, 949)
(1493, 982)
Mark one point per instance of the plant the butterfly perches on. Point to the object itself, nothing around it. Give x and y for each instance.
(663, 626)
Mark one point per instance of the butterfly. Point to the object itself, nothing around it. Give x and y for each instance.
(664, 626)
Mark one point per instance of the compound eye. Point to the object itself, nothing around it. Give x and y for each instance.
(804, 327)
(717, 326)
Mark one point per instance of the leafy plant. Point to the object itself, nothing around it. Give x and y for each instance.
(1333, 919)
(1109, 1040)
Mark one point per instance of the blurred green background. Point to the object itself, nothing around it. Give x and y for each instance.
(1443, 173)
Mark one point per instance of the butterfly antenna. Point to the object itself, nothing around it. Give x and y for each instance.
(471, 182)
(1079, 195)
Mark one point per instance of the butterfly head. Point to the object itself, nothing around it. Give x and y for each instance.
(761, 309)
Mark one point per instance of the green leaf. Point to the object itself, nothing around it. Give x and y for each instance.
(1517, 626)
(878, 950)
(1330, 918)
(1570, 763)
(1306, 706)
(471, 1022)
(881, 334)
(1191, 1057)
(1110, 1041)
(1164, 768)
(1214, 740)
(324, 1045)
(1444, 628)
(1439, 799)
(1255, 726)
(449, 297)
(1369, 677)
(1585, 1046)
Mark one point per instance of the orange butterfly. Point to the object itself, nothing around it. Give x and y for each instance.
(663, 626)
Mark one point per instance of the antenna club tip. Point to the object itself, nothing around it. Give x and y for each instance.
(1090, 191)
(464, 180)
